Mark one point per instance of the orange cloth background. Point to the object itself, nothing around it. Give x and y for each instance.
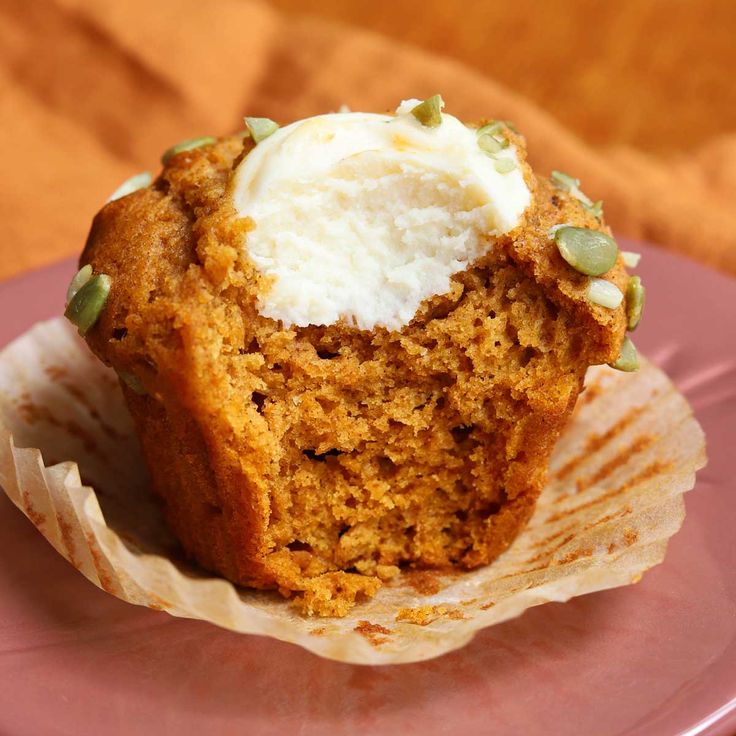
(637, 99)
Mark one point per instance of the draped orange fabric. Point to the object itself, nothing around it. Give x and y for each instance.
(94, 90)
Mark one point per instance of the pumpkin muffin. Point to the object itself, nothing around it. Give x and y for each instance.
(350, 344)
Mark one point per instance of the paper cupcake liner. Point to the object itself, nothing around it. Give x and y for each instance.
(614, 498)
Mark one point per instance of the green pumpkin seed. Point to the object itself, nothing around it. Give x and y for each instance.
(260, 128)
(564, 181)
(595, 208)
(132, 382)
(628, 359)
(87, 304)
(604, 293)
(570, 184)
(80, 279)
(490, 140)
(139, 181)
(591, 252)
(504, 165)
(491, 145)
(631, 259)
(192, 143)
(429, 112)
(495, 127)
(635, 295)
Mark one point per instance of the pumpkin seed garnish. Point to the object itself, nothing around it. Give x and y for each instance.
(87, 304)
(260, 128)
(139, 181)
(564, 181)
(570, 184)
(80, 279)
(490, 139)
(635, 295)
(631, 259)
(628, 359)
(604, 293)
(429, 112)
(491, 145)
(493, 127)
(189, 145)
(504, 165)
(591, 252)
(595, 209)
(491, 142)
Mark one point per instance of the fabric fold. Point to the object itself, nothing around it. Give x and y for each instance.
(95, 91)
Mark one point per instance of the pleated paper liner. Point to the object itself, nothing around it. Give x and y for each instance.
(614, 498)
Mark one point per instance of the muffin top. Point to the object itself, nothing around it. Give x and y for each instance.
(362, 225)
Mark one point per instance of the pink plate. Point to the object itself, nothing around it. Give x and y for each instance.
(653, 659)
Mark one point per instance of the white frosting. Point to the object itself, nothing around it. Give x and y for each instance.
(362, 217)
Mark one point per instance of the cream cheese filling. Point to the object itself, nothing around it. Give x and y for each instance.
(360, 217)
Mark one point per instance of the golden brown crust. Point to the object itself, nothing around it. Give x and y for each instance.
(316, 460)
